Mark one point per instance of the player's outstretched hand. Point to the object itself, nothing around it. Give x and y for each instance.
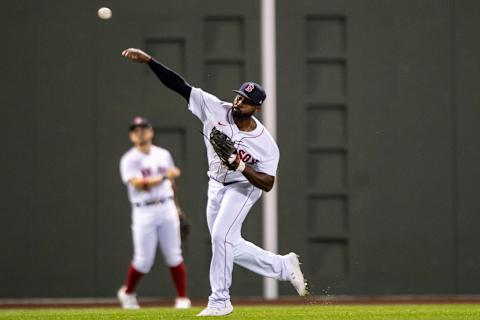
(136, 55)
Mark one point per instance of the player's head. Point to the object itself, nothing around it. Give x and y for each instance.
(141, 131)
(249, 99)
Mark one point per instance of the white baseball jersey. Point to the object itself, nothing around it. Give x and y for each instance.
(136, 164)
(256, 148)
(228, 205)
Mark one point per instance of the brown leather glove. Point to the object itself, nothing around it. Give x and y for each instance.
(184, 224)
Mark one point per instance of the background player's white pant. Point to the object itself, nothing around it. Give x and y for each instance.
(152, 225)
(226, 210)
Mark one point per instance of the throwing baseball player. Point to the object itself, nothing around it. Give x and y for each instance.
(243, 159)
(148, 172)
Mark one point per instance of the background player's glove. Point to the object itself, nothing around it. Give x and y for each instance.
(184, 224)
(225, 149)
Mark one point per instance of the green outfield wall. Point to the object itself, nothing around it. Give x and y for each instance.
(378, 112)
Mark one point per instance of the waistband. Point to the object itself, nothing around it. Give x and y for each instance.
(151, 202)
(229, 182)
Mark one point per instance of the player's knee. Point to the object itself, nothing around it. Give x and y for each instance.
(219, 237)
(173, 261)
(142, 265)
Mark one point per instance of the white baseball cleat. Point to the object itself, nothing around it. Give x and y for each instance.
(127, 300)
(296, 276)
(182, 303)
(215, 312)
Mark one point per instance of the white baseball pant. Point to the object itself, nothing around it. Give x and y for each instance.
(226, 210)
(156, 225)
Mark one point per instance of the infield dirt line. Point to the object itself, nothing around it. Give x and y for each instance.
(251, 301)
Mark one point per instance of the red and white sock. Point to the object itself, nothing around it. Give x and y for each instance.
(133, 278)
(179, 276)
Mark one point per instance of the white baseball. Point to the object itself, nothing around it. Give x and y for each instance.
(104, 13)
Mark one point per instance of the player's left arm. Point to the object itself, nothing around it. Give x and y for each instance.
(264, 178)
(259, 179)
(173, 173)
(145, 183)
(148, 182)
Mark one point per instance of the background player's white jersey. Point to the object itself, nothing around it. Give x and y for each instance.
(136, 164)
(257, 148)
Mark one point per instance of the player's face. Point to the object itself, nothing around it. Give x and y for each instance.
(141, 135)
(243, 108)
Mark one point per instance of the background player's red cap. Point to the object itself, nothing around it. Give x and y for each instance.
(140, 122)
(253, 92)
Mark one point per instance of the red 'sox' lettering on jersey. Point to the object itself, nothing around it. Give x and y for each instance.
(146, 172)
(246, 157)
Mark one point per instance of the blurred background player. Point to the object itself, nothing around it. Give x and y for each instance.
(148, 171)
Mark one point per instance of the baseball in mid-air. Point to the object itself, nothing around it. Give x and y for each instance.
(104, 13)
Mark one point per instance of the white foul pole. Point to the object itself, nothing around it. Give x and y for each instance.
(269, 110)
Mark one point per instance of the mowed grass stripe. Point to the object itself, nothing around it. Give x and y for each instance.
(357, 312)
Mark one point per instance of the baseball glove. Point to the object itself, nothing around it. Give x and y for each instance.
(184, 224)
(224, 147)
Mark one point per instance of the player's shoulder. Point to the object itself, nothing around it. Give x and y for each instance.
(267, 139)
(273, 144)
(130, 155)
(202, 93)
(207, 97)
(262, 131)
(160, 151)
(226, 105)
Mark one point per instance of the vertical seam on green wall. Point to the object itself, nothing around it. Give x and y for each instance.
(453, 106)
(95, 166)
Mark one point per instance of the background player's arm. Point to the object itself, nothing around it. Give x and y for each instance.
(259, 179)
(145, 183)
(168, 77)
(173, 173)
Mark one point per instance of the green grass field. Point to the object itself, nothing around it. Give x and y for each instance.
(403, 312)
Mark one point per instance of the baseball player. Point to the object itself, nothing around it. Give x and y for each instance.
(236, 182)
(148, 172)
